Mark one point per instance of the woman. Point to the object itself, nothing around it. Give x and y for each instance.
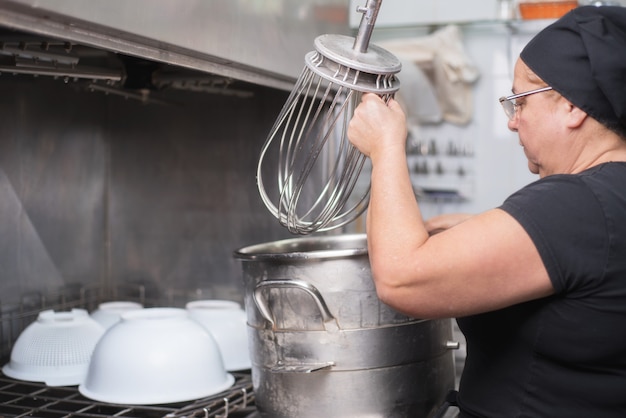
(539, 284)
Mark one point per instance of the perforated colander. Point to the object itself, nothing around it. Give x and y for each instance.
(55, 349)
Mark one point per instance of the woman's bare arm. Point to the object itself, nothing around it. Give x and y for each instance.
(486, 262)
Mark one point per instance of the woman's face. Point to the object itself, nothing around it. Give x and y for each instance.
(537, 123)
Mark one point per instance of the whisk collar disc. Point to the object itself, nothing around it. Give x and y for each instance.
(336, 61)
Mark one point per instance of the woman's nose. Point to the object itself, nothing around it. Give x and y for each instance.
(512, 124)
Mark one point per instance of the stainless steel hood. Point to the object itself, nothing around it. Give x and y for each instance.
(256, 41)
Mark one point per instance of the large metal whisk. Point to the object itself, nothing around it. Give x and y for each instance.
(318, 168)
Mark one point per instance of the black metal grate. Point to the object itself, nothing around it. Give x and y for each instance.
(31, 399)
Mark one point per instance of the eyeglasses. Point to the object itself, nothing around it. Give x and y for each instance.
(510, 106)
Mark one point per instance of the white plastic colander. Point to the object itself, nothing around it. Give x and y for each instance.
(226, 321)
(55, 349)
(110, 313)
(155, 356)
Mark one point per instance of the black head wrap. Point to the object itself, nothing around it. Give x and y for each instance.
(583, 57)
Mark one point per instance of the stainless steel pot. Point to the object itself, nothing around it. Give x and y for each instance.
(323, 344)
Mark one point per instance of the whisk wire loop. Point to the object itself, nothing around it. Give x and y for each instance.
(317, 184)
(314, 153)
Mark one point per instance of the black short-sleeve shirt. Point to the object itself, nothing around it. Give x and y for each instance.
(565, 355)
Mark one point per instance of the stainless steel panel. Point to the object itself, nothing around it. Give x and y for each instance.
(263, 42)
(98, 190)
(52, 190)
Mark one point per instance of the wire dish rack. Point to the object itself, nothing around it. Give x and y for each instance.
(31, 399)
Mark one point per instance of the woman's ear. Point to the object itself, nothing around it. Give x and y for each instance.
(575, 115)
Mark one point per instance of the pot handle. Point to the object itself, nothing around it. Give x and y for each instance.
(330, 323)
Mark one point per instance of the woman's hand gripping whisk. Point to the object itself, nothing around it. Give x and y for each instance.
(378, 128)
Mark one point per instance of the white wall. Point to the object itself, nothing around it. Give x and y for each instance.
(498, 166)
(420, 12)
(403, 12)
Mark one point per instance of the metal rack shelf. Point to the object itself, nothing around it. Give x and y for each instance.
(32, 399)
(36, 400)
(15, 316)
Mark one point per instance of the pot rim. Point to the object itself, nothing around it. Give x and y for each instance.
(323, 247)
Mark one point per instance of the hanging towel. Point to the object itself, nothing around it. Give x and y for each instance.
(443, 59)
(417, 95)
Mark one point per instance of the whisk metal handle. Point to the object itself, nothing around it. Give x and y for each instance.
(366, 27)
